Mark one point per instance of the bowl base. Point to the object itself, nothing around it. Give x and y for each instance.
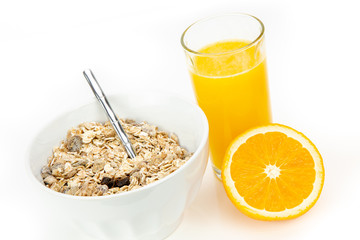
(94, 230)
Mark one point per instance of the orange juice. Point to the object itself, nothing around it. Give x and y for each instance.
(230, 84)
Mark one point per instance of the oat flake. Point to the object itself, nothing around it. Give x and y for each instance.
(91, 161)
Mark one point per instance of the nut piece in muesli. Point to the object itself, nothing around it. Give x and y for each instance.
(92, 161)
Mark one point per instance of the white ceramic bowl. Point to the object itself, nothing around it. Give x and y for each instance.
(151, 212)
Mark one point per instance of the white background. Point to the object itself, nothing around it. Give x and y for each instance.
(312, 47)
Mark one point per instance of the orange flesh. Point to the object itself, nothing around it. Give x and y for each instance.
(284, 190)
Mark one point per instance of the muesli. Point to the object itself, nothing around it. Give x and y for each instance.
(91, 161)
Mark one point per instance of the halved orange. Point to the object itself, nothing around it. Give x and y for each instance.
(273, 172)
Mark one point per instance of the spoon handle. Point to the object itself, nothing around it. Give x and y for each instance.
(88, 74)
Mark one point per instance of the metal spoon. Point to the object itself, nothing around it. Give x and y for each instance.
(110, 113)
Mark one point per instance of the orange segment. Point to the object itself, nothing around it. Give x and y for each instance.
(273, 172)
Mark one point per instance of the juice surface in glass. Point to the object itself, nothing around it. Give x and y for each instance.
(230, 84)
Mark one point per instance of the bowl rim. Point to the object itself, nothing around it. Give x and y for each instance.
(204, 140)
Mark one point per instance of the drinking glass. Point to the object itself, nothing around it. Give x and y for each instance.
(226, 59)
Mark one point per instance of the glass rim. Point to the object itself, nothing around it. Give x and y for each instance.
(257, 39)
